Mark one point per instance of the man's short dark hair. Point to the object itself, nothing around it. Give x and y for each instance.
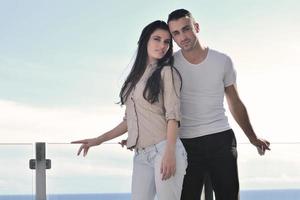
(176, 14)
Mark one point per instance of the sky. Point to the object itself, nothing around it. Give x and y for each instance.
(62, 64)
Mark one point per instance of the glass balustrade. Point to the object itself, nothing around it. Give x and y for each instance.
(105, 173)
(16, 178)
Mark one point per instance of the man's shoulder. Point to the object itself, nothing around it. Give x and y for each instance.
(218, 54)
(213, 52)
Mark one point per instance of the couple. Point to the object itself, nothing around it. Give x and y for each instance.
(165, 91)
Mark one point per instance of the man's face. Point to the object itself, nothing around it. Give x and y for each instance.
(184, 32)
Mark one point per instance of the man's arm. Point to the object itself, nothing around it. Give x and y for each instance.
(239, 113)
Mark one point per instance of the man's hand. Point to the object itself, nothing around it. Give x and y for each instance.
(261, 144)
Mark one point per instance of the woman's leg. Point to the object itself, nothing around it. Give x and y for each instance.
(143, 184)
(170, 189)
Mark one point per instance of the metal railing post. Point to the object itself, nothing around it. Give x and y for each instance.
(40, 164)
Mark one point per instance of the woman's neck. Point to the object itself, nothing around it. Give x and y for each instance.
(151, 61)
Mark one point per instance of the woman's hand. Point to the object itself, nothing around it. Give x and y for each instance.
(86, 144)
(168, 164)
(120, 129)
(123, 143)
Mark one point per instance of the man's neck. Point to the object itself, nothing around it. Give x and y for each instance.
(195, 55)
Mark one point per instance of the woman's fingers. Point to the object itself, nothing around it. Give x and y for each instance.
(85, 149)
(173, 171)
(167, 171)
(123, 143)
(84, 146)
(79, 150)
(79, 141)
(164, 173)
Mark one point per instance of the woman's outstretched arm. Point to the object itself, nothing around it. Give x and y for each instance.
(87, 143)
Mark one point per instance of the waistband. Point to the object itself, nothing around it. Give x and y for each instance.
(154, 147)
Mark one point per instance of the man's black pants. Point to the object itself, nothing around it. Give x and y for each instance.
(215, 155)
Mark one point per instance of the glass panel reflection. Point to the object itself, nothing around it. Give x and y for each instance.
(106, 170)
(16, 179)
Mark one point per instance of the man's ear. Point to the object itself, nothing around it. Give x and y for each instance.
(197, 27)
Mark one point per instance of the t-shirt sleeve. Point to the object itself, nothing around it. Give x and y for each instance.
(230, 73)
(171, 93)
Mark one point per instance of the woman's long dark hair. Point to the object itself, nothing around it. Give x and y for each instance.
(153, 84)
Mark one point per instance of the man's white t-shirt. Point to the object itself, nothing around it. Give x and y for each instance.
(202, 94)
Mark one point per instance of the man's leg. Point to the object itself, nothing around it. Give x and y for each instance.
(223, 167)
(194, 177)
(224, 178)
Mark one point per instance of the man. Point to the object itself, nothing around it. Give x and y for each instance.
(208, 76)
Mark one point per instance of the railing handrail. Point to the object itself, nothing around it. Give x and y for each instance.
(51, 143)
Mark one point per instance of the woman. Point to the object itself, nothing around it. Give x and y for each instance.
(151, 95)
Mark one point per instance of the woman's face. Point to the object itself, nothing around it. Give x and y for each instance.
(158, 45)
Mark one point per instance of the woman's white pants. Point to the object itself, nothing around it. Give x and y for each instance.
(147, 179)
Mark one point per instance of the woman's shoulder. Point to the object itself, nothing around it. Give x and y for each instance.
(170, 74)
(168, 69)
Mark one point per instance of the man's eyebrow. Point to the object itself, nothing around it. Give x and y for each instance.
(186, 26)
(176, 31)
(183, 28)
